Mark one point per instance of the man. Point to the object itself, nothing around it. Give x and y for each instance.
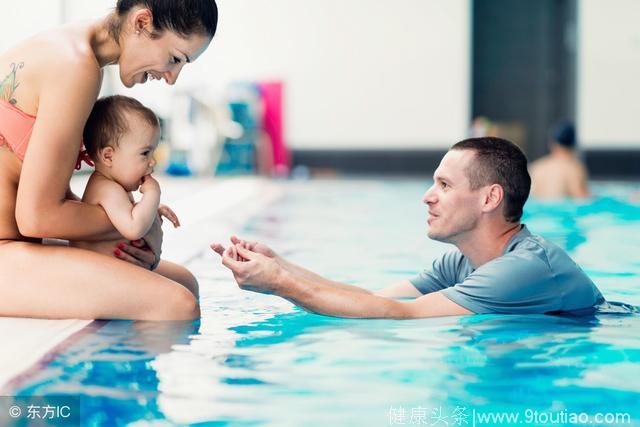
(475, 203)
(560, 174)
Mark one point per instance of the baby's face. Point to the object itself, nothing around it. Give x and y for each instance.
(133, 158)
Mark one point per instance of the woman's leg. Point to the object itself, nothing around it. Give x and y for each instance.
(57, 282)
(180, 274)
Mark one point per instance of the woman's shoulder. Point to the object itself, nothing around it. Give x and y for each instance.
(57, 57)
(61, 52)
(68, 51)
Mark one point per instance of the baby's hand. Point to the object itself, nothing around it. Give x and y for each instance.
(167, 212)
(149, 184)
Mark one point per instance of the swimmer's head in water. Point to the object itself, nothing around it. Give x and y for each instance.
(156, 38)
(565, 134)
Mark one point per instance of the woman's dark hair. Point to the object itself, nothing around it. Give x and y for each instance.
(498, 161)
(184, 17)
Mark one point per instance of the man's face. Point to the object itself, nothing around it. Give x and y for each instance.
(454, 209)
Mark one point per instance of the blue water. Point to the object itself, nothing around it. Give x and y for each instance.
(257, 360)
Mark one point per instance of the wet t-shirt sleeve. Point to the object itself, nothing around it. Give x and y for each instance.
(520, 282)
(442, 274)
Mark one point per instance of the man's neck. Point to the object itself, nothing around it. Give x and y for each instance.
(487, 243)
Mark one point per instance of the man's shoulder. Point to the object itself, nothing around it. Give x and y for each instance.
(533, 276)
(527, 255)
(453, 260)
(535, 244)
(528, 262)
(534, 254)
(532, 247)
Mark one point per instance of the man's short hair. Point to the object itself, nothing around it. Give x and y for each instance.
(498, 161)
(107, 122)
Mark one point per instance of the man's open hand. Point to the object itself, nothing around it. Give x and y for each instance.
(251, 270)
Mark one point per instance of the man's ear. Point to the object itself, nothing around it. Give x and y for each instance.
(106, 155)
(494, 196)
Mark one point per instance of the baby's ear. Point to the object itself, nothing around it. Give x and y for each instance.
(106, 155)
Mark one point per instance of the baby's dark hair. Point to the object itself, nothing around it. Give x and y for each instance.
(107, 122)
(184, 17)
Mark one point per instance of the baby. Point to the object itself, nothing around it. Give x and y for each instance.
(120, 136)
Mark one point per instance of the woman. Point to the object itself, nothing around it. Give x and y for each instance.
(49, 85)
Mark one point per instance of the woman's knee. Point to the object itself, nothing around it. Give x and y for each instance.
(191, 283)
(188, 307)
(179, 274)
(179, 304)
(188, 280)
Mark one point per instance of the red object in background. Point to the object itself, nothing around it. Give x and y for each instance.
(272, 123)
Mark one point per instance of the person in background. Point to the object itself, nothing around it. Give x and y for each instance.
(560, 174)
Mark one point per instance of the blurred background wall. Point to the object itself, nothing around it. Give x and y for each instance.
(608, 74)
(372, 85)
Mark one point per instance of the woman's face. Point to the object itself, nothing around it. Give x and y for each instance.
(144, 57)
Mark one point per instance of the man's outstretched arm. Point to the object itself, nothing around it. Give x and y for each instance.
(303, 273)
(403, 289)
(330, 301)
(292, 268)
(259, 273)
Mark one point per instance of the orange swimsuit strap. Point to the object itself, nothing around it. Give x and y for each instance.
(15, 131)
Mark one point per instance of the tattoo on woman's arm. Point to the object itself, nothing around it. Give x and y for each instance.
(9, 84)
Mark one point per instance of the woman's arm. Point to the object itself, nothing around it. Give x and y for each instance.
(69, 89)
(70, 195)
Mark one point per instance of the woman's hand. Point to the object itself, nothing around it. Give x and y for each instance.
(144, 252)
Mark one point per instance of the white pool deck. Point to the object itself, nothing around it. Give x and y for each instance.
(210, 209)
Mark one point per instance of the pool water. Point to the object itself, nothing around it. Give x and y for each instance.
(257, 360)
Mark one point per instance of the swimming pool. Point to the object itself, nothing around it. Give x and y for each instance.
(256, 360)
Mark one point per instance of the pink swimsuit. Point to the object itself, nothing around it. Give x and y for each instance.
(15, 131)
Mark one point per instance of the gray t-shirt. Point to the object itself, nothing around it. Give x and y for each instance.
(532, 276)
